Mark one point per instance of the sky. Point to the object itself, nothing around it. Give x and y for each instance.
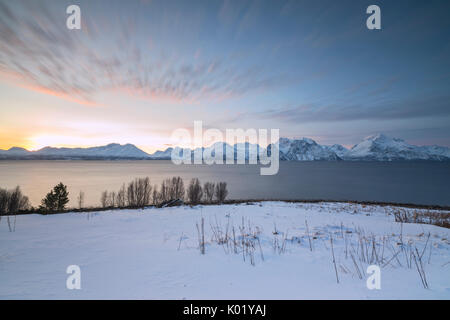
(138, 70)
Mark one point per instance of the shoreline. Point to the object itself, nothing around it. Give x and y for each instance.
(243, 201)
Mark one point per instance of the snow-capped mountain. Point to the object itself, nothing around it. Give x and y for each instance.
(247, 149)
(304, 150)
(162, 155)
(14, 151)
(436, 151)
(222, 147)
(382, 148)
(374, 148)
(109, 151)
(339, 150)
(378, 147)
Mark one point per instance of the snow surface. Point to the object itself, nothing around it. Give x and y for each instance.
(138, 254)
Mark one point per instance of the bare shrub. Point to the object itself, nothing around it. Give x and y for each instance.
(104, 199)
(80, 200)
(441, 219)
(108, 199)
(221, 192)
(155, 196)
(195, 192)
(176, 188)
(164, 191)
(138, 192)
(112, 199)
(3, 201)
(208, 190)
(13, 201)
(171, 189)
(121, 197)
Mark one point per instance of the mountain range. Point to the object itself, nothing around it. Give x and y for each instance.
(374, 148)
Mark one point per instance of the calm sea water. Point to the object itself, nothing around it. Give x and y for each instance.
(405, 182)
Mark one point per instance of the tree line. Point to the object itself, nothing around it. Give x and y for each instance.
(140, 193)
(137, 193)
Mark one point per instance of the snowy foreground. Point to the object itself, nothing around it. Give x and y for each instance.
(155, 254)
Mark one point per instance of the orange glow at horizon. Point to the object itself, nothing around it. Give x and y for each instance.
(62, 141)
(8, 141)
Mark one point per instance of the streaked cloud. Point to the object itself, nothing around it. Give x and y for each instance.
(45, 56)
(148, 67)
(388, 110)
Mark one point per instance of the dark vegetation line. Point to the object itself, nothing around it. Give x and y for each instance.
(138, 193)
(244, 201)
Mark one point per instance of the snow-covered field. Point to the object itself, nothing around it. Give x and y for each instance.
(155, 254)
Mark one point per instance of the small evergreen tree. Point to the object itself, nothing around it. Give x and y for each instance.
(56, 199)
(49, 202)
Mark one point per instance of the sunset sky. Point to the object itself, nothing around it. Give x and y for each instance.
(137, 70)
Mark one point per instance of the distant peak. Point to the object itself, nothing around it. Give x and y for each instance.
(284, 139)
(290, 141)
(17, 149)
(378, 136)
(338, 146)
(308, 140)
